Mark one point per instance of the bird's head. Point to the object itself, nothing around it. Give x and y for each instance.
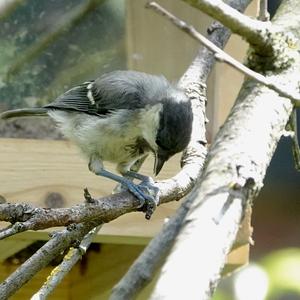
(174, 130)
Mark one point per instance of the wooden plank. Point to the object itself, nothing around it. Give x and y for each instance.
(152, 41)
(32, 169)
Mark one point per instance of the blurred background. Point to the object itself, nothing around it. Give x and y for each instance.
(48, 46)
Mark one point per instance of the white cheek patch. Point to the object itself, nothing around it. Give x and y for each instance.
(150, 123)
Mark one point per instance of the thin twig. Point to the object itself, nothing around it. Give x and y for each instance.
(295, 145)
(224, 57)
(263, 14)
(13, 229)
(70, 259)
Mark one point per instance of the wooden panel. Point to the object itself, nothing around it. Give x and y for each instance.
(31, 169)
(155, 45)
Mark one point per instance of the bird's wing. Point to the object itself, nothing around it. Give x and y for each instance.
(76, 99)
(112, 91)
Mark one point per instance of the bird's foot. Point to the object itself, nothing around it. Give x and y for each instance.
(147, 193)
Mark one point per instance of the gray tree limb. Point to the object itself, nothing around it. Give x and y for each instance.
(40, 259)
(59, 272)
(143, 269)
(263, 14)
(222, 56)
(271, 48)
(234, 173)
(249, 29)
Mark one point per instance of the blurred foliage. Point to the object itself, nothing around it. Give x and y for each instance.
(48, 46)
(283, 269)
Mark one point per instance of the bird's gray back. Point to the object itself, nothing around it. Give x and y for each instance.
(113, 91)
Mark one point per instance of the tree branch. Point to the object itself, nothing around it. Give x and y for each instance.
(250, 29)
(271, 47)
(263, 14)
(234, 173)
(57, 244)
(70, 259)
(103, 210)
(224, 57)
(143, 269)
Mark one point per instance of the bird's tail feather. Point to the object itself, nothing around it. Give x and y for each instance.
(23, 112)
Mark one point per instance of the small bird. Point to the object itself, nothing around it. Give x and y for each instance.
(121, 117)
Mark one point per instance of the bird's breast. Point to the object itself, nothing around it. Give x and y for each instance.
(115, 138)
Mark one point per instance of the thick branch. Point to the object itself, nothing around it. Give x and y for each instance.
(143, 269)
(224, 57)
(250, 29)
(272, 48)
(234, 172)
(103, 210)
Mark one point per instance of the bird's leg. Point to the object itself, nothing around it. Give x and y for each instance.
(148, 203)
(135, 175)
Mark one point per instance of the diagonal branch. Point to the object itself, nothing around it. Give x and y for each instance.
(271, 47)
(70, 259)
(143, 269)
(238, 23)
(57, 244)
(233, 175)
(224, 57)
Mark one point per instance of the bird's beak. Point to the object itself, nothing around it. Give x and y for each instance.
(159, 162)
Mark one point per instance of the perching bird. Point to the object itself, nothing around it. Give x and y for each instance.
(121, 117)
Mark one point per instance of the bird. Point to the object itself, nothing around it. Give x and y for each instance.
(121, 117)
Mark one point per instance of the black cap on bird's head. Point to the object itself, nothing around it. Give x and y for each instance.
(175, 127)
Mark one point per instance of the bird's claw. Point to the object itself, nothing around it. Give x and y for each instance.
(150, 192)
